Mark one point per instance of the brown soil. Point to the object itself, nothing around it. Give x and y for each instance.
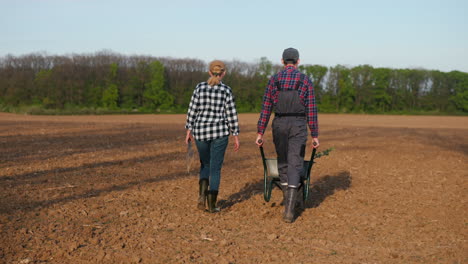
(115, 189)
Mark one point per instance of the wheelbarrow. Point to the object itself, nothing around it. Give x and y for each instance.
(271, 174)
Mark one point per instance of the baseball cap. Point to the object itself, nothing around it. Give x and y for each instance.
(290, 54)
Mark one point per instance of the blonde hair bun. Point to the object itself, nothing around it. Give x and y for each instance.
(217, 68)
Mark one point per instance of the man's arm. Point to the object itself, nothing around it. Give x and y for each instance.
(312, 113)
(265, 114)
(266, 107)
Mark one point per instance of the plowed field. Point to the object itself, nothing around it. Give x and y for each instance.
(116, 189)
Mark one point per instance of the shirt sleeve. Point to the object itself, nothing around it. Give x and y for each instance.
(311, 106)
(266, 107)
(231, 114)
(192, 111)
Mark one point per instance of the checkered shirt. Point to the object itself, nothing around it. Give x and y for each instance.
(287, 79)
(212, 112)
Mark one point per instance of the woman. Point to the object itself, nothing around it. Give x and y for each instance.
(211, 117)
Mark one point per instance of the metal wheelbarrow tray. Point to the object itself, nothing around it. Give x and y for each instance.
(271, 175)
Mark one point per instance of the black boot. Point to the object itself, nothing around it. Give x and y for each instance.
(284, 189)
(290, 205)
(300, 203)
(202, 194)
(212, 196)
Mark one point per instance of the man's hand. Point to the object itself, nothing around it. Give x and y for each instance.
(315, 143)
(259, 140)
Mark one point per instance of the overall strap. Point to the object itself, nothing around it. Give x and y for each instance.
(277, 84)
(301, 81)
(289, 103)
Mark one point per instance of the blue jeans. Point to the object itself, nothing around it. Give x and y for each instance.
(211, 154)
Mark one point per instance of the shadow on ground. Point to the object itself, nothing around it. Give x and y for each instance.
(87, 193)
(326, 186)
(248, 191)
(319, 191)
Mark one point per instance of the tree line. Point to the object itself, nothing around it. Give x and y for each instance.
(113, 82)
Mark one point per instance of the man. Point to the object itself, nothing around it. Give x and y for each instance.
(291, 95)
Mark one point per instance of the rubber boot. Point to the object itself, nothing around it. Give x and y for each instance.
(300, 203)
(212, 196)
(284, 189)
(202, 194)
(290, 205)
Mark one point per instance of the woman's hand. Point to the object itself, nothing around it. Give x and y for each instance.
(188, 137)
(236, 143)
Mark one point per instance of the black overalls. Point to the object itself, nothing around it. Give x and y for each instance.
(290, 134)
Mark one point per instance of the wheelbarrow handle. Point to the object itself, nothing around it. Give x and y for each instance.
(260, 141)
(262, 152)
(311, 161)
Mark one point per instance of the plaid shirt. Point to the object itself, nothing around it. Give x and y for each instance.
(288, 78)
(212, 112)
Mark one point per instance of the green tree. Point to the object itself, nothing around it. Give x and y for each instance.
(459, 90)
(156, 98)
(110, 95)
(361, 78)
(93, 94)
(265, 67)
(400, 90)
(316, 73)
(382, 98)
(340, 88)
(44, 88)
(460, 100)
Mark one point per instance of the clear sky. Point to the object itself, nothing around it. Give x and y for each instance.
(430, 34)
